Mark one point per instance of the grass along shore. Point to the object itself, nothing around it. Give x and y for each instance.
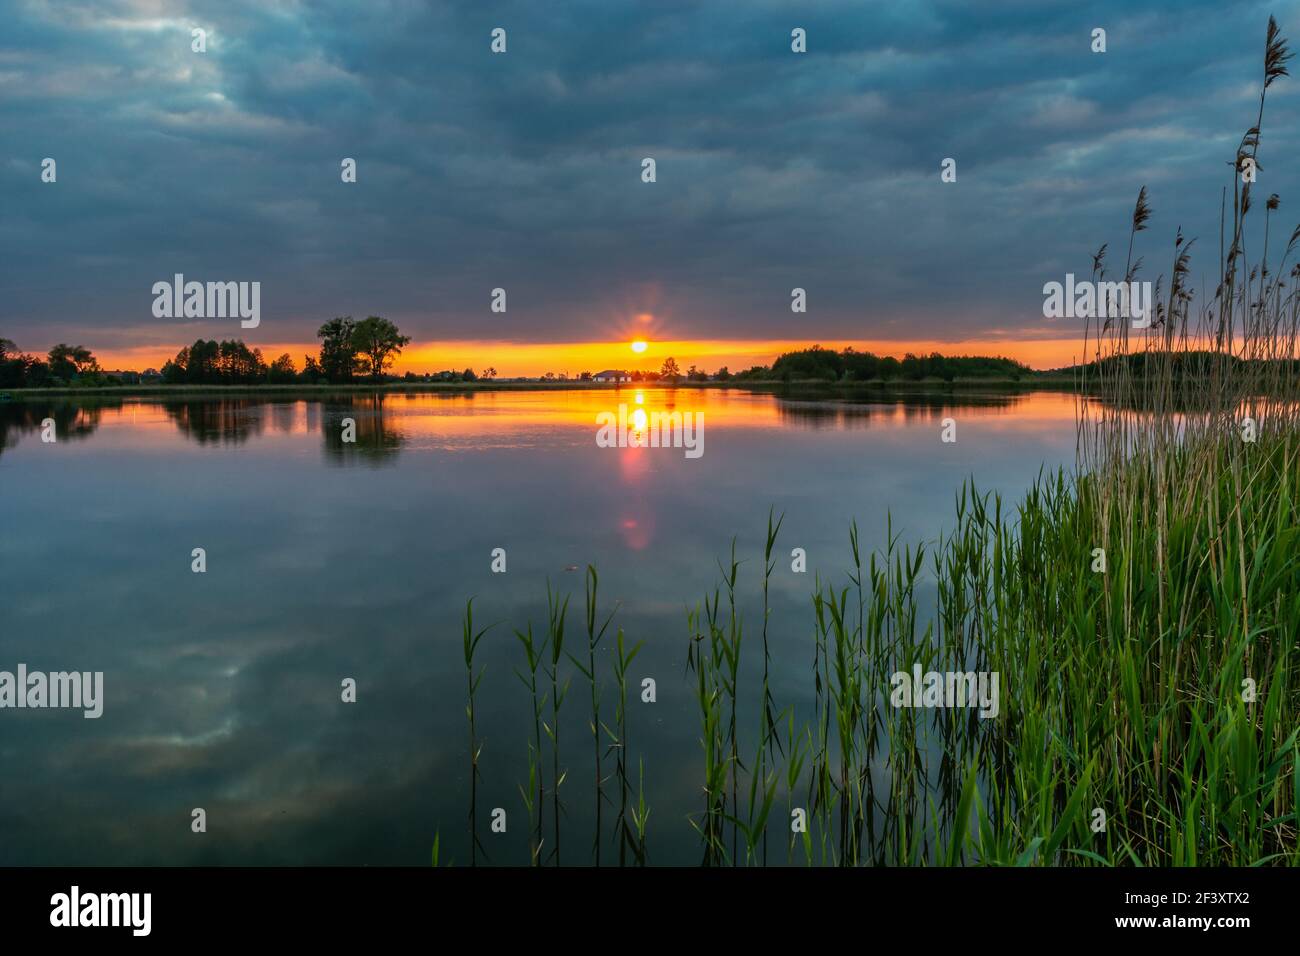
(1148, 700)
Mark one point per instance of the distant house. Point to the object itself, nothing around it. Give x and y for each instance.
(150, 376)
(612, 375)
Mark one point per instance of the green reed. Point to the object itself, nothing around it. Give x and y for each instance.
(1143, 718)
(470, 642)
(588, 670)
(556, 612)
(534, 793)
(631, 823)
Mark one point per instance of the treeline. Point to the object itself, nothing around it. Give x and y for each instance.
(1191, 364)
(63, 365)
(223, 363)
(350, 351)
(849, 365)
(364, 351)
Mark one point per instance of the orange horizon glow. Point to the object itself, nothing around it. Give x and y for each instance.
(532, 359)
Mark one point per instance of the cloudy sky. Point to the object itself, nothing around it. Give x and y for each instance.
(523, 170)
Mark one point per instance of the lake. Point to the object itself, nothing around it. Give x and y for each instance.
(329, 559)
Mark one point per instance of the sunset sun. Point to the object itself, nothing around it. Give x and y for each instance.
(638, 346)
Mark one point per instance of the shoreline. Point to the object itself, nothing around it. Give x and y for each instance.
(1048, 382)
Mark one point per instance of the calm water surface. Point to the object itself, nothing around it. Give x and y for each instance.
(328, 560)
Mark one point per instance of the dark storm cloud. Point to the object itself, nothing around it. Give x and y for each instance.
(522, 170)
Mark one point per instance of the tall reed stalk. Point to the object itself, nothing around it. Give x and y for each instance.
(470, 641)
(588, 670)
(556, 611)
(534, 794)
(628, 837)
